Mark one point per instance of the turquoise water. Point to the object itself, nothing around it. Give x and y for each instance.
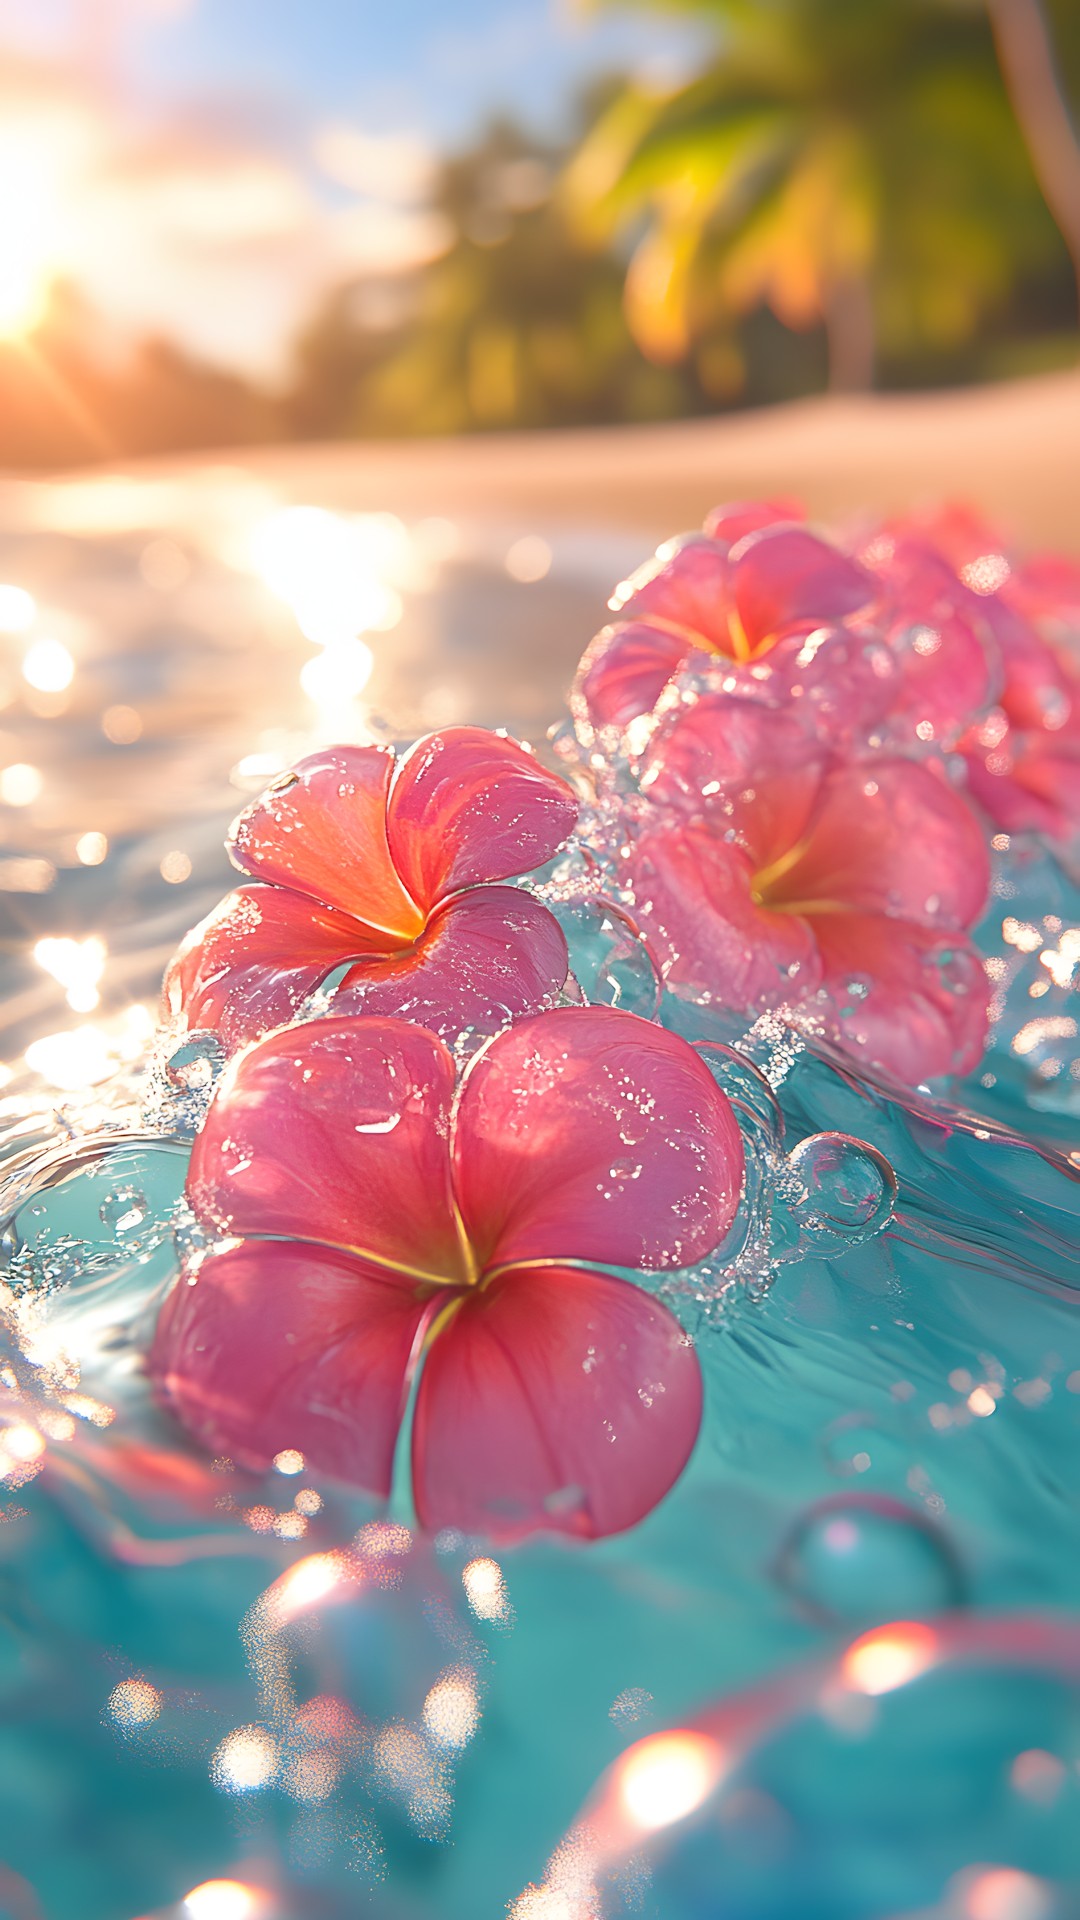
(413, 1731)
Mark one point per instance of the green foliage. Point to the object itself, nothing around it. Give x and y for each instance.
(830, 152)
(519, 324)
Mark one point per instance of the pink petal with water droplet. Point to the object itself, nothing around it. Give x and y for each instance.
(485, 957)
(734, 520)
(625, 670)
(694, 902)
(324, 835)
(752, 767)
(279, 1346)
(254, 960)
(784, 577)
(336, 1132)
(690, 590)
(554, 1399)
(466, 806)
(589, 1134)
(924, 1014)
(1028, 783)
(890, 837)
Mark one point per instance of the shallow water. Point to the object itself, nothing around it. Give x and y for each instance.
(210, 1675)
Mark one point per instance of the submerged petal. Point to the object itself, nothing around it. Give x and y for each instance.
(553, 1399)
(321, 830)
(254, 960)
(277, 1346)
(590, 1134)
(485, 956)
(468, 805)
(336, 1132)
(625, 669)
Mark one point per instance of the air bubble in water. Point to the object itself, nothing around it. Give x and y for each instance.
(840, 1192)
(859, 1559)
(124, 1210)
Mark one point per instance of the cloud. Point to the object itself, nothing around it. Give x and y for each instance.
(221, 242)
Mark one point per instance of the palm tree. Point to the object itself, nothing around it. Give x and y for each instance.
(853, 163)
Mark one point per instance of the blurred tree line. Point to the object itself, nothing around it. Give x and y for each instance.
(851, 192)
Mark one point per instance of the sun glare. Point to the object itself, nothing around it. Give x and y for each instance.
(27, 229)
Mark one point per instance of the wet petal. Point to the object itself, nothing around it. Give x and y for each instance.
(625, 670)
(589, 1134)
(336, 1132)
(321, 830)
(693, 901)
(468, 805)
(945, 649)
(733, 521)
(689, 588)
(485, 957)
(279, 1346)
(784, 577)
(1028, 783)
(890, 837)
(254, 960)
(554, 1399)
(753, 767)
(909, 999)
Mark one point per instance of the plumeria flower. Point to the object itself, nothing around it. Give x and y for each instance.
(773, 874)
(383, 1218)
(1023, 755)
(756, 598)
(384, 867)
(947, 659)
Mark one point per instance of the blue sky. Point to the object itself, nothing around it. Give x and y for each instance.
(432, 67)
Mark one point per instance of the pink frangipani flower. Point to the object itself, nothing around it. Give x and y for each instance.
(771, 873)
(385, 1218)
(385, 866)
(745, 597)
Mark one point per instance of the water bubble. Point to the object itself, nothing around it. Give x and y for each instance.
(840, 1191)
(609, 957)
(124, 1211)
(858, 1559)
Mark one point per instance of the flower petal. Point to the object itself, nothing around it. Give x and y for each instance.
(279, 1346)
(1028, 782)
(889, 837)
(785, 576)
(910, 999)
(589, 1134)
(554, 1399)
(486, 956)
(336, 1132)
(253, 961)
(756, 767)
(468, 805)
(321, 830)
(625, 669)
(733, 521)
(687, 586)
(693, 901)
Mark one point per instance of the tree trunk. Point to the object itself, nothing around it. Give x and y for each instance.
(849, 331)
(1026, 59)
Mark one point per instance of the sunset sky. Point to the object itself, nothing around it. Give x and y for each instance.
(207, 168)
